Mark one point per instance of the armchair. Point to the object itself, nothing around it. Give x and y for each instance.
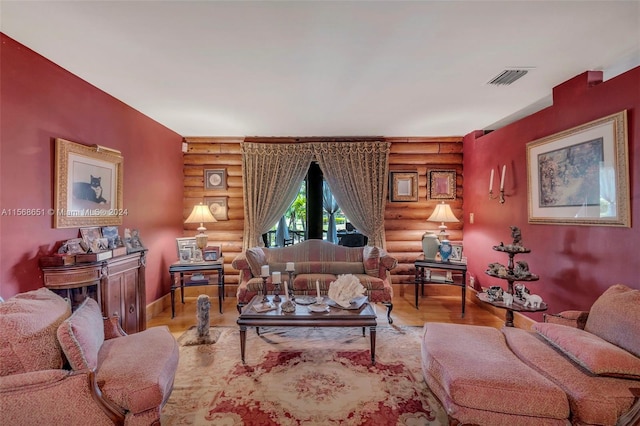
(78, 369)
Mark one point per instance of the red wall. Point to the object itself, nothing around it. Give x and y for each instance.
(575, 263)
(41, 101)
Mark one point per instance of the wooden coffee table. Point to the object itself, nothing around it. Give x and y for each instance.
(303, 317)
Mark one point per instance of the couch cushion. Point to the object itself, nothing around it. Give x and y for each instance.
(476, 369)
(137, 371)
(615, 317)
(594, 400)
(590, 351)
(256, 259)
(28, 324)
(82, 335)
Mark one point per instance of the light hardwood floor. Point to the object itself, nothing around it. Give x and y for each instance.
(440, 304)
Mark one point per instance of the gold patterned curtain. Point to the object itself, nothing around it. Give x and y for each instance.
(357, 173)
(271, 177)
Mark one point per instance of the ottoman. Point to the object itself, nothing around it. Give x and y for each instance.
(478, 380)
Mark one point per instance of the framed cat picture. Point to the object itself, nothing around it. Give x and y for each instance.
(87, 186)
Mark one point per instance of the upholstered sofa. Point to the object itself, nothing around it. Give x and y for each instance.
(580, 368)
(63, 368)
(317, 260)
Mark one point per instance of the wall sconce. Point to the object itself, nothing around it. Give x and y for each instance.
(201, 214)
(501, 197)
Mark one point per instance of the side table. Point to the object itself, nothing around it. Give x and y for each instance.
(205, 268)
(421, 264)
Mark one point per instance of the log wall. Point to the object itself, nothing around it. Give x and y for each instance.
(405, 222)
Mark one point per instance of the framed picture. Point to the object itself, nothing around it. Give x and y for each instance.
(186, 243)
(92, 237)
(456, 252)
(215, 179)
(111, 234)
(442, 184)
(581, 176)
(184, 255)
(218, 207)
(132, 240)
(403, 186)
(74, 246)
(87, 186)
(211, 253)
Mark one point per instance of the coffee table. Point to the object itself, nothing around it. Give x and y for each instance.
(363, 317)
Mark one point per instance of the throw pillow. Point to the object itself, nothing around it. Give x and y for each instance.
(590, 351)
(615, 317)
(371, 260)
(256, 259)
(81, 336)
(28, 324)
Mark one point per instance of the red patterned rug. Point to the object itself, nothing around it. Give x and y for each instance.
(299, 376)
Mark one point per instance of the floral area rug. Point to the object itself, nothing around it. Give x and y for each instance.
(303, 376)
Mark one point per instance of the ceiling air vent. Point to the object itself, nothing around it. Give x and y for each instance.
(507, 77)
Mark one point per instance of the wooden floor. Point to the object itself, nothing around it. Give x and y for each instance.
(440, 304)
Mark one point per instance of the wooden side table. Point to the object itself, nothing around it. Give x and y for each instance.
(421, 264)
(205, 268)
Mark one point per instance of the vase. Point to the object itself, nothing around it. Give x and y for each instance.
(445, 250)
(430, 245)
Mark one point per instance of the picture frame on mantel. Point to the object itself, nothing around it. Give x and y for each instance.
(215, 179)
(87, 185)
(403, 186)
(581, 176)
(442, 184)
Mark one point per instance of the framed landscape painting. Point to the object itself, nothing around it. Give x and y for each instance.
(581, 176)
(87, 186)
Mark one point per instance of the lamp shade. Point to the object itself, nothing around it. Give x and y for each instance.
(442, 213)
(200, 214)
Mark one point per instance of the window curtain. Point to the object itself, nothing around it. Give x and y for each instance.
(271, 175)
(357, 173)
(330, 205)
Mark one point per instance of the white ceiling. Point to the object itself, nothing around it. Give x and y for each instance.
(320, 68)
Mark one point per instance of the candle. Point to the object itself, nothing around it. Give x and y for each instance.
(264, 271)
(286, 290)
(275, 277)
(317, 288)
(289, 267)
(504, 172)
(491, 181)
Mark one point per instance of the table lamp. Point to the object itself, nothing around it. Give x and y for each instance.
(201, 214)
(442, 214)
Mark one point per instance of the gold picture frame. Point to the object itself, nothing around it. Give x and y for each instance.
(442, 184)
(218, 207)
(403, 186)
(581, 176)
(87, 186)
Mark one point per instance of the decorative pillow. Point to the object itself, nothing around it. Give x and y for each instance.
(615, 317)
(28, 323)
(256, 259)
(82, 335)
(590, 351)
(371, 260)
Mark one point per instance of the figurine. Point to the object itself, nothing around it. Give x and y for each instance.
(507, 298)
(516, 235)
(202, 314)
(532, 300)
(522, 269)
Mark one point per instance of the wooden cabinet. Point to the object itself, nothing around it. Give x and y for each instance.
(118, 284)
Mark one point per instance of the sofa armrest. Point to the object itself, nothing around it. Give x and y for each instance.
(388, 262)
(576, 319)
(240, 262)
(112, 328)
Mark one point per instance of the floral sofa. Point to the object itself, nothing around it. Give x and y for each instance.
(317, 260)
(63, 368)
(580, 368)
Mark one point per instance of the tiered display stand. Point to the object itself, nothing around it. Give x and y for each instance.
(511, 275)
